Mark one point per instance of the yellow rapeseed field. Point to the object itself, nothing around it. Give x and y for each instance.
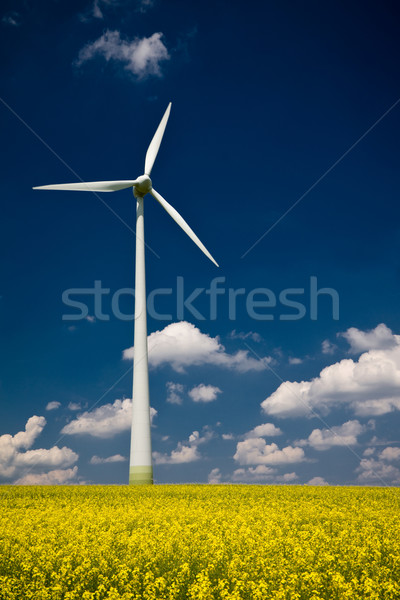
(199, 542)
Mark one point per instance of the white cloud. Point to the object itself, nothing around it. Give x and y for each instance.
(295, 361)
(195, 438)
(228, 436)
(141, 56)
(104, 422)
(371, 471)
(261, 473)
(56, 477)
(214, 476)
(15, 462)
(97, 460)
(74, 406)
(264, 430)
(369, 452)
(53, 457)
(53, 405)
(204, 393)
(185, 452)
(328, 347)
(251, 474)
(24, 439)
(183, 345)
(174, 392)
(370, 386)
(182, 454)
(343, 435)
(317, 481)
(255, 451)
(390, 454)
(379, 338)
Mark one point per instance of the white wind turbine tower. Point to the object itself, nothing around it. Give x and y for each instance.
(140, 468)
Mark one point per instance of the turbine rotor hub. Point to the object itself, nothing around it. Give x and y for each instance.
(143, 186)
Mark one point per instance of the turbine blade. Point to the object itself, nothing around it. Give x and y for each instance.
(152, 150)
(90, 186)
(182, 223)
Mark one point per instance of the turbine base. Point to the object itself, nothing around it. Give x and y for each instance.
(141, 475)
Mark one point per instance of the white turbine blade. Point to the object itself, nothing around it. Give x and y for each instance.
(90, 186)
(182, 223)
(152, 150)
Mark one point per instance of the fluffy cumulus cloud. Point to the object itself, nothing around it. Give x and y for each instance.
(17, 461)
(214, 476)
(390, 454)
(182, 454)
(369, 452)
(52, 457)
(183, 345)
(25, 439)
(56, 477)
(264, 430)
(142, 57)
(115, 458)
(317, 481)
(379, 338)
(255, 451)
(53, 405)
(261, 473)
(174, 392)
(204, 393)
(105, 421)
(379, 467)
(343, 435)
(377, 472)
(369, 386)
(185, 452)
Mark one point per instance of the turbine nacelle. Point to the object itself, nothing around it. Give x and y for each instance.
(142, 186)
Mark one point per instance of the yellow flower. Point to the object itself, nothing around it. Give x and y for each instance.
(199, 542)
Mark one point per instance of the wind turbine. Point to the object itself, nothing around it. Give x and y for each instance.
(140, 467)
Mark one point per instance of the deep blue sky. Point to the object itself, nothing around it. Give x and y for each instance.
(266, 98)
